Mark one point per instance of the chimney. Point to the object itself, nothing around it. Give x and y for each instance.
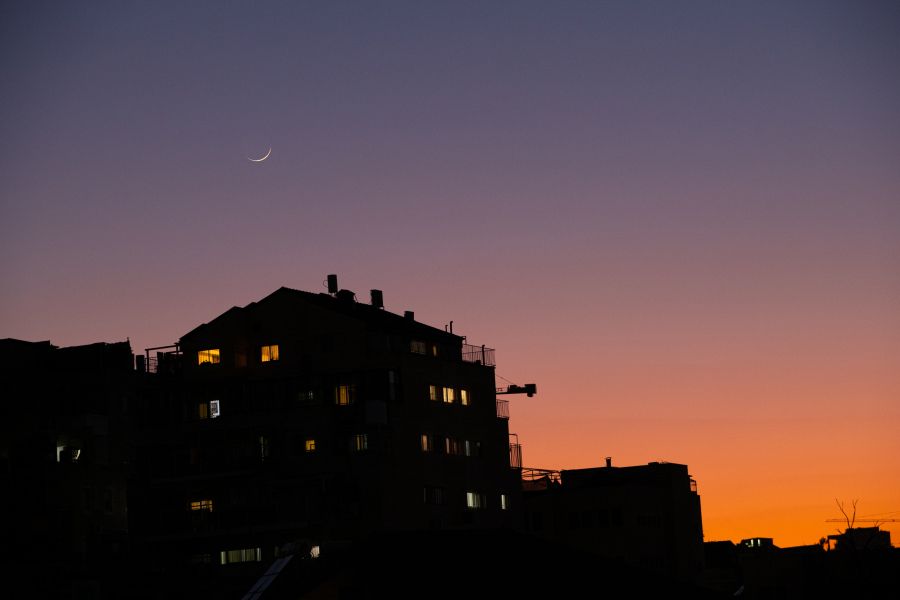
(332, 284)
(377, 298)
(608, 462)
(409, 315)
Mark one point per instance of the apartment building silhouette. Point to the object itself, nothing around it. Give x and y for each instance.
(304, 420)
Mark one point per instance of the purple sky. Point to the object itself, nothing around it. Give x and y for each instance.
(649, 208)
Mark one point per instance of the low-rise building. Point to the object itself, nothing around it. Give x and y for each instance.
(645, 516)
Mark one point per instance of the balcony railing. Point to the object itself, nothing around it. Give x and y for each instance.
(515, 456)
(503, 409)
(480, 355)
(160, 362)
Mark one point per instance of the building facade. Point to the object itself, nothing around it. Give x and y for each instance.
(313, 419)
(645, 516)
(65, 456)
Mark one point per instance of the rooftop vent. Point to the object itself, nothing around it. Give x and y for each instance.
(377, 298)
(409, 315)
(346, 296)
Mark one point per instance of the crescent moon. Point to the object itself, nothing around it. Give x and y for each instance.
(261, 159)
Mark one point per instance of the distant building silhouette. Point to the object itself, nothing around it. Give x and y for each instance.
(64, 460)
(855, 539)
(645, 516)
(859, 563)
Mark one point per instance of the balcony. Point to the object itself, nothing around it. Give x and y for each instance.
(162, 362)
(503, 409)
(480, 355)
(515, 456)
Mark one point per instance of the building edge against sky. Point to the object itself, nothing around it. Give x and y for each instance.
(311, 419)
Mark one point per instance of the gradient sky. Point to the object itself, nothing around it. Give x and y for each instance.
(681, 220)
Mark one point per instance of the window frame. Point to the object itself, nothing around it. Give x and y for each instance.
(449, 395)
(269, 353)
(213, 356)
(344, 394)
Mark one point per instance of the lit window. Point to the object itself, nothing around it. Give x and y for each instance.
(418, 347)
(263, 447)
(306, 396)
(206, 505)
(434, 350)
(361, 442)
(451, 445)
(270, 353)
(474, 500)
(214, 409)
(66, 454)
(432, 392)
(210, 357)
(449, 395)
(310, 445)
(344, 394)
(427, 443)
(503, 505)
(315, 552)
(227, 557)
(203, 410)
(464, 397)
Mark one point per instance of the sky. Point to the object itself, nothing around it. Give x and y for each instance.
(680, 220)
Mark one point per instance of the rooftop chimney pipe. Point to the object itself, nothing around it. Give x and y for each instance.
(410, 315)
(608, 462)
(332, 284)
(377, 298)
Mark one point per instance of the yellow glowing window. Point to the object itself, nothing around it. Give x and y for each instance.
(270, 353)
(427, 443)
(361, 442)
(434, 350)
(449, 395)
(343, 394)
(418, 347)
(310, 445)
(464, 397)
(206, 505)
(432, 392)
(240, 556)
(210, 357)
(203, 410)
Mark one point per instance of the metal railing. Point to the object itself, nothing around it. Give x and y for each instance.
(480, 355)
(532, 474)
(160, 362)
(503, 409)
(515, 456)
(515, 451)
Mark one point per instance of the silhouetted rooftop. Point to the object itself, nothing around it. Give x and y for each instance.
(378, 317)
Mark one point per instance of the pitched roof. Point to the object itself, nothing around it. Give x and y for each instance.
(374, 316)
